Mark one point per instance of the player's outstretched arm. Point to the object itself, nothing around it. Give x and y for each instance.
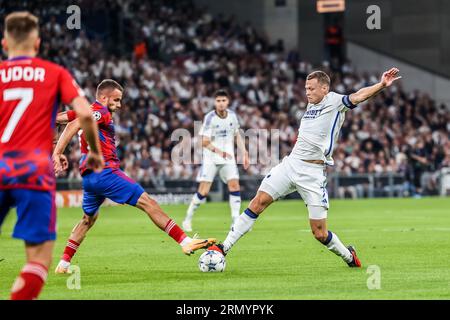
(90, 130)
(363, 94)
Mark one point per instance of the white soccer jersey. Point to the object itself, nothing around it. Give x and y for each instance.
(319, 128)
(222, 132)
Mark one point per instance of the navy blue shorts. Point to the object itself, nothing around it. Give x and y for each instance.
(113, 184)
(36, 213)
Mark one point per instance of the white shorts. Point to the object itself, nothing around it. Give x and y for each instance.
(227, 172)
(308, 179)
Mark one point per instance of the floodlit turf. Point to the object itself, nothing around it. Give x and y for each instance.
(126, 257)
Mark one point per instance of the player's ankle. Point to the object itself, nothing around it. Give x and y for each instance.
(185, 241)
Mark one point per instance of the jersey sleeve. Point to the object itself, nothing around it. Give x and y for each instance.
(206, 129)
(102, 116)
(68, 88)
(342, 102)
(347, 103)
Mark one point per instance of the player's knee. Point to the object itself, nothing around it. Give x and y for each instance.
(147, 202)
(233, 186)
(152, 204)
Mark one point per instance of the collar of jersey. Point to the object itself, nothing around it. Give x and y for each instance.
(19, 58)
(96, 102)
(220, 116)
(318, 103)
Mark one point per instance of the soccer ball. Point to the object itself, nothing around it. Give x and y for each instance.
(211, 261)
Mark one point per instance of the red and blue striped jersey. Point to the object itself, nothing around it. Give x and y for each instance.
(31, 90)
(106, 134)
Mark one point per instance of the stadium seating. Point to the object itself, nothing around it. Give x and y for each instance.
(174, 56)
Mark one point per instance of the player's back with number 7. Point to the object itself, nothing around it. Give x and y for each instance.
(31, 90)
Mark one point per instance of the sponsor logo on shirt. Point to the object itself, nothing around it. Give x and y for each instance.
(311, 114)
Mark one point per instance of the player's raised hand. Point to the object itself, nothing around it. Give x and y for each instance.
(390, 76)
(94, 161)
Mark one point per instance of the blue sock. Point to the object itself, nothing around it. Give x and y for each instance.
(251, 214)
(200, 196)
(330, 236)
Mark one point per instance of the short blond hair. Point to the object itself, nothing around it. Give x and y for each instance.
(19, 25)
(321, 77)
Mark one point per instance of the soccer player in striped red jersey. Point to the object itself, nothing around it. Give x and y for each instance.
(30, 92)
(111, 183)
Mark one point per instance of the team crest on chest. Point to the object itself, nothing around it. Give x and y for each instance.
(97, 115)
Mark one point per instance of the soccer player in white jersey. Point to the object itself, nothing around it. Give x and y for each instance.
(304, 169)
(219, 130)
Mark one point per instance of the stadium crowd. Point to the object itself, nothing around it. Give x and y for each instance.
(176, 55)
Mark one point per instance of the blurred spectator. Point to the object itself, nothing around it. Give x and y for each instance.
(172, 58)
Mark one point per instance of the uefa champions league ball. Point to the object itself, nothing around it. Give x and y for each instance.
(211, 261)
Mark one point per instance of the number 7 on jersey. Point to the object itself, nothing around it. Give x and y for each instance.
(25, 95)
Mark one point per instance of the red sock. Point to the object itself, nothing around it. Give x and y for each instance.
(30, 281)
(70, 250)
(173, 230)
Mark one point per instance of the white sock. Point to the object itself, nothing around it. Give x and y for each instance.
(64, 263)
(197, 199)
(235, 204)
(185, 241)
(241, 226)
(335, 245)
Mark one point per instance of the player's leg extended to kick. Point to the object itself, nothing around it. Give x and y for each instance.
(318, 223)
(245, 221)
(235, 199)
(165, 223)
(76, 237)
(197, 199)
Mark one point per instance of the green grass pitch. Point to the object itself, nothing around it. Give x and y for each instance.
(126, 257)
